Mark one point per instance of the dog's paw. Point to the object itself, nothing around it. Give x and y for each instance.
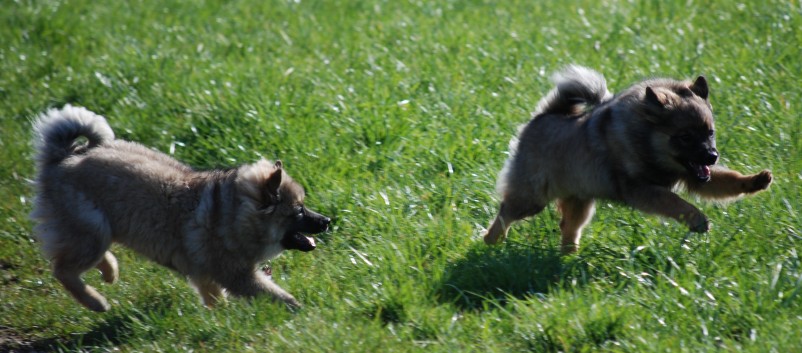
(496, 233)
(493, 239)
(93, 300)
(699, 224)
(292, 304)
(761, 181)
(568, 249)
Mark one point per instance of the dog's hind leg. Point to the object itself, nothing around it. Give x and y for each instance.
(69, 264)
(108, 267)
(512, 208)
(576, 213)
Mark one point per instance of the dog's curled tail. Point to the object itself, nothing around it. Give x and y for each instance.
(57, 130)
(577, 87)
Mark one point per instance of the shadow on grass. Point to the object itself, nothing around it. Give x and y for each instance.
(495, 272)
(115, 330)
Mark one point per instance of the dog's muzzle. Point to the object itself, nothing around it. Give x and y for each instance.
(310, 223)
(701, 168)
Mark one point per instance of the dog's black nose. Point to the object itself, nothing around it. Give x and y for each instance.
(313, 222)
(324, 223)
(711, 158)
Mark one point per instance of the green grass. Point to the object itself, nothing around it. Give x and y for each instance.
(395, 116)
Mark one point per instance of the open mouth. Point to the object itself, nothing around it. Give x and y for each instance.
(700, 171)
(298, 241)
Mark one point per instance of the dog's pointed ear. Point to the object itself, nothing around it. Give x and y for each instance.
(654, 98)
(700, 87)
(273, 183)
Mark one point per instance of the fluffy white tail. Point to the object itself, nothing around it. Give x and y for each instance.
(57, 129)
(575, 86)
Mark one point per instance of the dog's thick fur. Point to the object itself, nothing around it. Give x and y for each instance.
(636, 147)
(215, 227)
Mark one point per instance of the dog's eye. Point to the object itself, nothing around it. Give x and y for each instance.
(685, 138)
(711, 133)
(299, 212)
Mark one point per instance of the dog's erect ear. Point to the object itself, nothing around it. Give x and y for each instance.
(654, 99)
(700, 87)
(272, 183)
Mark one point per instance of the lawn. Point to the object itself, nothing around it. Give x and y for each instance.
(396, 118)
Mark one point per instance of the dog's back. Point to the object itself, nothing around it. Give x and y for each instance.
(105, 189)
(552, 130)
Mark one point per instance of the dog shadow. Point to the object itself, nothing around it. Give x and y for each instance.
(113, 331)
(496, 273)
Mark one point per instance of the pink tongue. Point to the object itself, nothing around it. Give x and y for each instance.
(704, 171)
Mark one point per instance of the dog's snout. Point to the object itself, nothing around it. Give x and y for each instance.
(324, 223)
(712, 157)
(313, 222)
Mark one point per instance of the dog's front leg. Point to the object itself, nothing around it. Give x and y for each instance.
(210, 292)
(725, 183)
(663, 202)
(257, 283)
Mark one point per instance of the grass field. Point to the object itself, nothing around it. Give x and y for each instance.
(396, 117)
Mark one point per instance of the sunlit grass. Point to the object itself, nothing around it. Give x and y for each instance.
(396, 117)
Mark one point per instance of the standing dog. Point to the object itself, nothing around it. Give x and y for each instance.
(584, 143)
(214, 227)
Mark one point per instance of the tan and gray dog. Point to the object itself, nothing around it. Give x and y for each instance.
(215, 227)
(635, 148)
